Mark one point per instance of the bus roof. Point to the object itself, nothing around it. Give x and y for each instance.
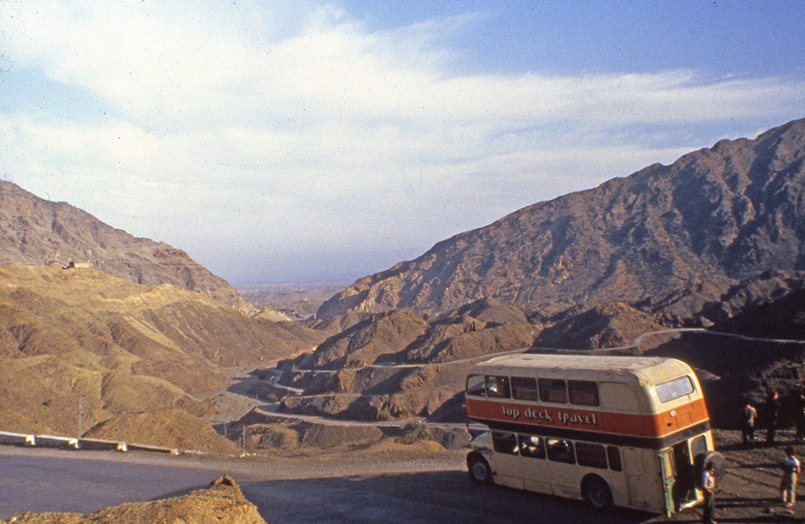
(653, 369)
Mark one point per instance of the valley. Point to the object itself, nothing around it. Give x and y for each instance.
(106, 336)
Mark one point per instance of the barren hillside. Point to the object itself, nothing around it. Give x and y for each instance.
(714, 217)
(121, 348)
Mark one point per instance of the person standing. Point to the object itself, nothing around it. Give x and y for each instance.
(749, 415)
(774, 413)
(799, 416)
(788, 484)
(709, 487)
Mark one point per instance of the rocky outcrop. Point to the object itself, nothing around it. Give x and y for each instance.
(711, 219)
(223, 501)
(34, 231)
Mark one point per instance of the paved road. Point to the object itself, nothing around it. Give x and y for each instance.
(385, 488)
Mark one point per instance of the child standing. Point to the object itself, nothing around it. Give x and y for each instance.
(788, 484)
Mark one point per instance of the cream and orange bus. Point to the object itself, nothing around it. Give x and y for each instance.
(624, 431)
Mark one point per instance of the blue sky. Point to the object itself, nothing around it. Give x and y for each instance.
(299, 141)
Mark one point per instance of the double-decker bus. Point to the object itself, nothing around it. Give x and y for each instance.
(625, 431)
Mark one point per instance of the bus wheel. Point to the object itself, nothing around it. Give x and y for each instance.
(596, 493)
(479, 469)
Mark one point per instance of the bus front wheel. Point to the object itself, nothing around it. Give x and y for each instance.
(479, 469)
(596, 493)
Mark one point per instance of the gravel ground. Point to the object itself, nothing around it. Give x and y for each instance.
(750, 489)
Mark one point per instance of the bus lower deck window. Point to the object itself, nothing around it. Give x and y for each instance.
(531, 446)
(560, 450)
(614, 455)
(504, 442)
(591, 455)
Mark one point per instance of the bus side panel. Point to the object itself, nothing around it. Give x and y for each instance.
(643, 479)
(510, 464)
(536, 475)
(565, 480)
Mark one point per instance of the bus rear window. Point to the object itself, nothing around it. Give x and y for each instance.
(524, 388)
(583, 392)
(674, 389)
(552, 390)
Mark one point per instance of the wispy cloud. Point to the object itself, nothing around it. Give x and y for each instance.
(298, 128)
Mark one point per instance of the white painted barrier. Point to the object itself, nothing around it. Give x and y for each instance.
(16, 439)
(53, 441)
(100, 444)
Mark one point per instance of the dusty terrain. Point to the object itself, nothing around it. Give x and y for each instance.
(223, 501)
(750, 491)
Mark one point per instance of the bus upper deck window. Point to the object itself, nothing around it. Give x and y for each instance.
(497, 387)
(552, 390)
(524, 388)
(583, 392)
(674, 389)
(476, 386)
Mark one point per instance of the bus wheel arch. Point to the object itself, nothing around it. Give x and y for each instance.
(596, 492)
(479, 469)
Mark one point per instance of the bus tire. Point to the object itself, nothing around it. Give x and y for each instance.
(596, 492)
(479, 469)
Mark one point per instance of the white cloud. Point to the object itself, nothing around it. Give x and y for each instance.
(295, 125)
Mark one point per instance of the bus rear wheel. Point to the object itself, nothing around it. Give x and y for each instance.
(479, 469)
(596, 493)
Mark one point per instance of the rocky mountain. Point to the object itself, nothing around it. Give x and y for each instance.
(667, 239)
(38, 232)
(397, 364)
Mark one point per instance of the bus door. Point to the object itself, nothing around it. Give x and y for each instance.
(685, 484)
(666, 457)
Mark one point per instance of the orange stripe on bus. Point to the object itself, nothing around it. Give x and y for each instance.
(655, 426)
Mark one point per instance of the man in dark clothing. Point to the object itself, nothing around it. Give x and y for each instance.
(709, 488)
(799, 416)
(774, 413)
(749, 416)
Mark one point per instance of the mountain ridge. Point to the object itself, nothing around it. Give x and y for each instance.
(717, 215)
(39, 232)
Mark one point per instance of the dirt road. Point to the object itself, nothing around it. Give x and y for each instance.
(381, 487)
